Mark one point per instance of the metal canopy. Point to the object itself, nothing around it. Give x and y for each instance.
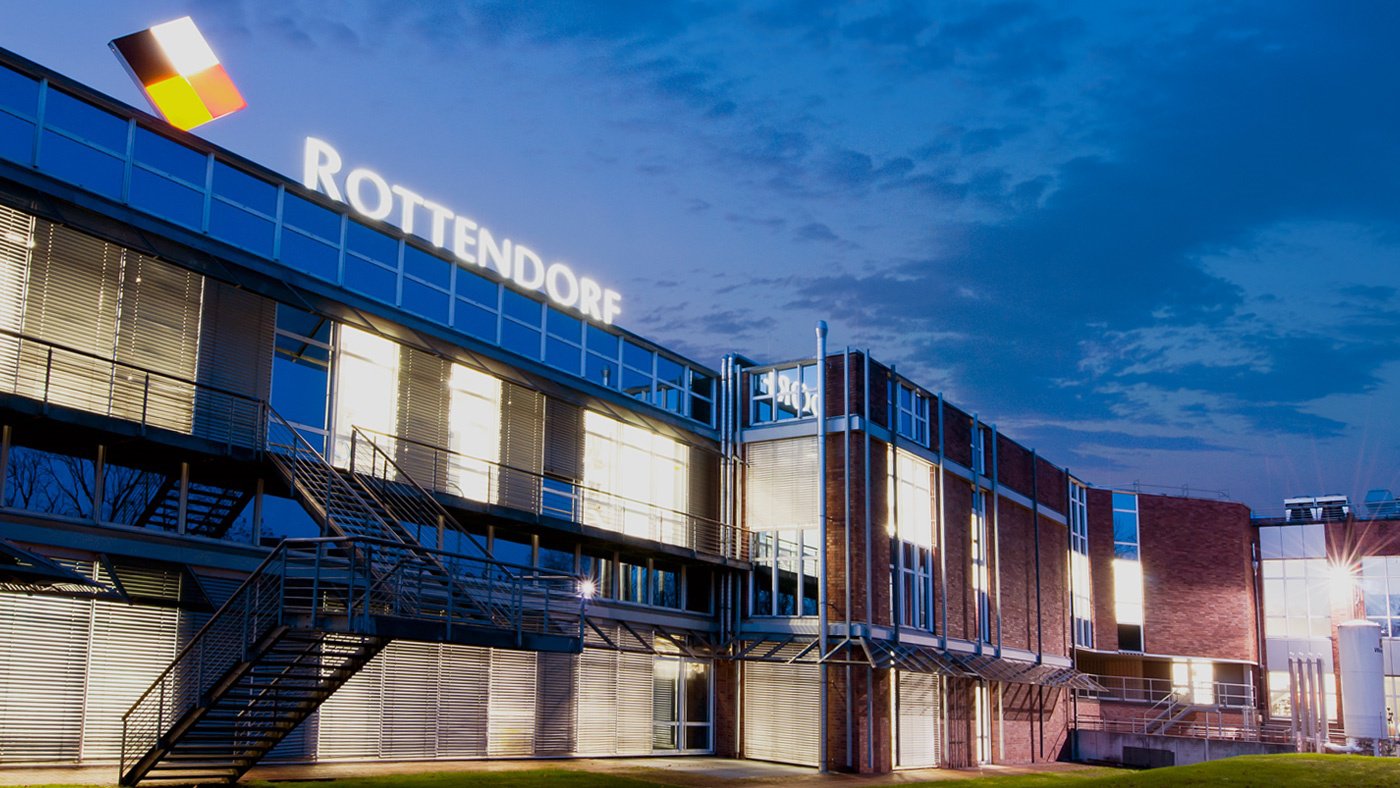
(28, 572)
(618, 635)
(881, 653)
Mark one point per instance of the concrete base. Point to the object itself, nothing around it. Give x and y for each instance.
(1136, 749)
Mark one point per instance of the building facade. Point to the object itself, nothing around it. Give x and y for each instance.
(280, 481)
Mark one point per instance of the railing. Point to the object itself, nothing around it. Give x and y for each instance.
(341, 584)
(487, 481)
(1206, 725)
(55, 374)
(1133, 689)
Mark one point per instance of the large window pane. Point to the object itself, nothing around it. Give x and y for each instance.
(81, 119)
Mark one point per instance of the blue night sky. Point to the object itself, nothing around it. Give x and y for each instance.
(1158, 242)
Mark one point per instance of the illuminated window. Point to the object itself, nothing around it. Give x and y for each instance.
(1080, 589)
(366, 389)
(1380, 588)
(635, 480)
(1281, 703)
(1297, 601)
(473, 433)
(1193, 681)
(910, 499)
(1127, 572)
(912, 420)
(983, 713)
(981, 580)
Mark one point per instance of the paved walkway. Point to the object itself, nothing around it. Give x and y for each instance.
(693, 772)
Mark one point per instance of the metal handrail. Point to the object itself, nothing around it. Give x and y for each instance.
(116, 388)
(1135, 689)
(339, 584)
(728, 540)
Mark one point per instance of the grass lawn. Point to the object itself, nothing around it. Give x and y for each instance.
(1253, 771)
(1261, 771)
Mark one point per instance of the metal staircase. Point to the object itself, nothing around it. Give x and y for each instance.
(317, 610)
(209, 510)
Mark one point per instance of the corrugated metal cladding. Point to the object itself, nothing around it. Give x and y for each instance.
(779, 482)
(417, 700)
(919, 717)
(781, 710)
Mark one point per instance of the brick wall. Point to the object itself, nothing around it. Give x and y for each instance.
(957, 510)
(1198, 578)
(1100, 505)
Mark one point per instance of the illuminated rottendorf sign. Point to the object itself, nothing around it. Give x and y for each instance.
(373, 197)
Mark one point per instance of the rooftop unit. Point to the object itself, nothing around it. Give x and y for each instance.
(1317, 508)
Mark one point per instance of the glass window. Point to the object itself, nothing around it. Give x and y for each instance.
(426, 301)
(305, 253)
(669, 372)
(561, 354)
(239, 187)
(16, 139)
(782, 394)
(601, 371)
(166, 198)
(371, 243)
(478, 289)
(636, 384)
(637, 357)
(430, 269)
(170, 157)
(666, 591)
(602, 342)
(556, 560)
(632, 585)
(512, 552)
(599, 570)
(372, 280)
(520, 339)
(474, 320)
(82, 165)
(301, 369)
(527, 310)
(241, 228)
(83, 120)
(565, 327)
(18, 92)
(306, 215)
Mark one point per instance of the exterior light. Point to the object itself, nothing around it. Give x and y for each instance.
(587, 588)
(1341, 578)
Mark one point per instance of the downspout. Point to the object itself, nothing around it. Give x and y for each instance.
(821, 524)
(1039, 632)
(996, 532)
(942, 536)
(981, 528)
(869, 605)
(846, 520)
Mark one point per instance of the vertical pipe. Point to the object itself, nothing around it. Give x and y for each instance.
(865, 424)
(1035, 525)
(821, 557)
(942, 539)
(869, 590)
(846, 521)
(996, 531)
(181, 524)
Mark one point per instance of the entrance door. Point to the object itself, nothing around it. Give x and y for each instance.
(680, 705)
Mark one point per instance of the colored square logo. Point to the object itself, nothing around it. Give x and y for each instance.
(179, 73)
